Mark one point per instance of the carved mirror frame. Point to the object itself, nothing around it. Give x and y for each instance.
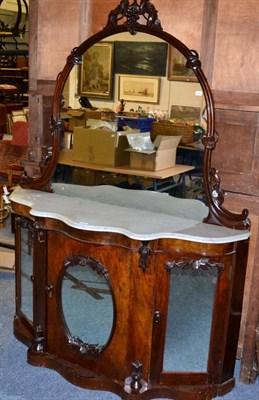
(133, 18)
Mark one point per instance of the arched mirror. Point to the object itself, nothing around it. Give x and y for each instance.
(180, 91)
(172, 106)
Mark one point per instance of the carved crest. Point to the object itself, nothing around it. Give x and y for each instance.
(130, 14)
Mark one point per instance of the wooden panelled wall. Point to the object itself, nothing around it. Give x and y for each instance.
(225, 33)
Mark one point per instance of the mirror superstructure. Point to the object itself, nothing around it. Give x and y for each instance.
(131, 23)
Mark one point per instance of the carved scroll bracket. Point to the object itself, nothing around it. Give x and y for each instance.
(217, 192)
(218, 214)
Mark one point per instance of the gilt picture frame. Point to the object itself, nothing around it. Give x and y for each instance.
(95, 76)
(139, 89)
(177, 70)
(150, 58)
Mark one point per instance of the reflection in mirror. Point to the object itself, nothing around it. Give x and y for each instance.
(191, 300)
(86, 288)
(177, 88)
(26, 273)
(177, 107)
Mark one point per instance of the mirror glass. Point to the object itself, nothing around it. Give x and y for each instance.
(26, 273)
(191, 301)
(174, 100)
(87, 290)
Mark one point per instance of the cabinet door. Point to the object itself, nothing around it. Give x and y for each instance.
(88, 291)
(30, 260)
(24, 268)
(191, 317)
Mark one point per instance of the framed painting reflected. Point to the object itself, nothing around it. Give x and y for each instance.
(95, 78)
(150, 58)
(139, 89)
(177, 70)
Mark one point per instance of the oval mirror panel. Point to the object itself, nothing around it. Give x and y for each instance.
(87, 303)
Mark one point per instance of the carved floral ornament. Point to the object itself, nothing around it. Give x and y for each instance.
(132, 13)
(202, 264)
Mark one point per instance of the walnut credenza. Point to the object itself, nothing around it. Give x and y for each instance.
(131, 294)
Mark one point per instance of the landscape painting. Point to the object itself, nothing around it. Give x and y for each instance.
(150, 58)
(139, 88)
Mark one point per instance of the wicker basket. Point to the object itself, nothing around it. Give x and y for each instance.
(167, 128)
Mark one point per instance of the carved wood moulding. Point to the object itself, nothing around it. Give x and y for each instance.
(131, 13)
(85, 261)
(201, 264)
(144, 256)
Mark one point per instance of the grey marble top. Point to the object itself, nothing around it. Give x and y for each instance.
(138, 214)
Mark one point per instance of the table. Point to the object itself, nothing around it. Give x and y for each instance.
(163, 180)
(191, 155)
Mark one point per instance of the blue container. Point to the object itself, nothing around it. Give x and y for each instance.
(144, 124)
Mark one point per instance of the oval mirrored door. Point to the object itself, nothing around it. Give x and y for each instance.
(87, 303)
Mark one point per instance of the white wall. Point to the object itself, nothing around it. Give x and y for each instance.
(11, 5)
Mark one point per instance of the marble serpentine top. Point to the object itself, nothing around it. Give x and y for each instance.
(138, 214)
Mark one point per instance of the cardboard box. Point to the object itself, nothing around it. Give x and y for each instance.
(163, 157)
(93, 114)
(97, 146)
(104, 114)
(76, 118)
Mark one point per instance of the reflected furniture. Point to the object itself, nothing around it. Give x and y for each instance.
(191, 155)
(14, 85)
(13, 152)
(19, 134)
(163, 180)
(134, 292)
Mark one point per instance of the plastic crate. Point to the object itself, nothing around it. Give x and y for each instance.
(144, 124)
